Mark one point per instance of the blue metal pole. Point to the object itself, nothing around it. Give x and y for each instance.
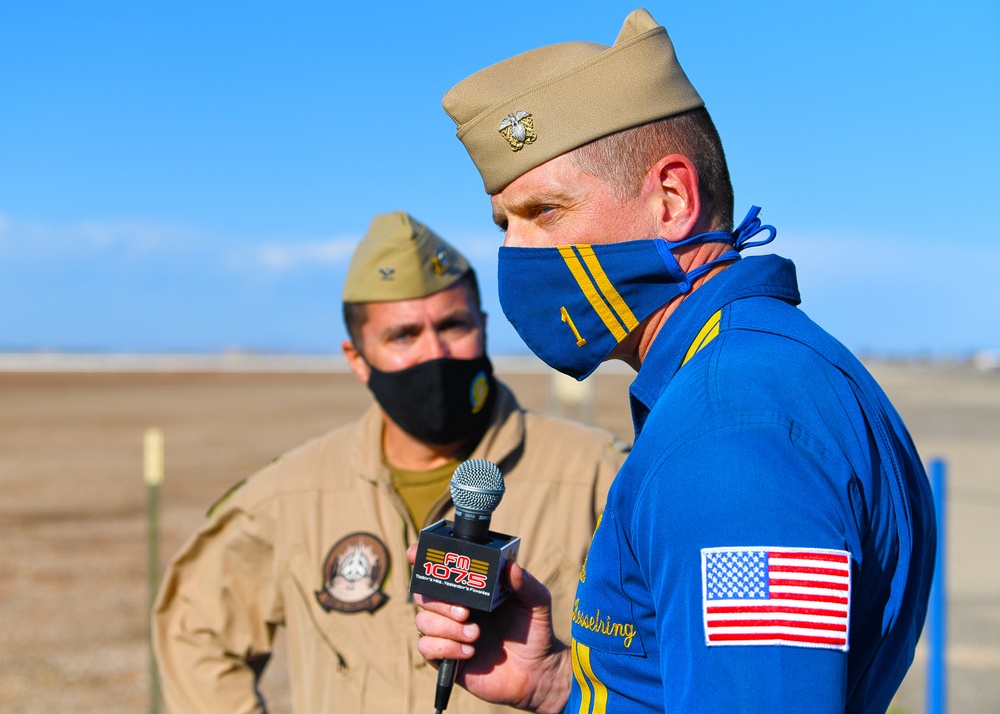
(937, 617)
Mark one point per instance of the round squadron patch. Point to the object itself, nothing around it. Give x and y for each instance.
(353, 574)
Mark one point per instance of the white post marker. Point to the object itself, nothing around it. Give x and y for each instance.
(153, 456)
(566, 394)
(153, 468)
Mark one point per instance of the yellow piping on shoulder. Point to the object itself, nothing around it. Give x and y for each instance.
(708, 332)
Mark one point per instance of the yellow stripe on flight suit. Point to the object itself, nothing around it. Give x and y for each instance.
(588, 682)
(708, 332)
(591, 292)
(591, 688)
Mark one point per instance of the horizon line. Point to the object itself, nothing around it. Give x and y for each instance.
(248, 362)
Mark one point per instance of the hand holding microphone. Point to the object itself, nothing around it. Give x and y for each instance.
(511, 657)
(462, 561)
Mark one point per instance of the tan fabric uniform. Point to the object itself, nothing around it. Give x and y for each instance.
(258, 562)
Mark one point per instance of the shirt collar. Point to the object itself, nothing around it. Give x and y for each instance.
(754, 276)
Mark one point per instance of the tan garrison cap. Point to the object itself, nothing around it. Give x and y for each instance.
(519, 113)
(401, 259)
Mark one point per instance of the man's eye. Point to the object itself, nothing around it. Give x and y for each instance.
(545, 211)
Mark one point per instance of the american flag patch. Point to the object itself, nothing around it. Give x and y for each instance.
(776, 596)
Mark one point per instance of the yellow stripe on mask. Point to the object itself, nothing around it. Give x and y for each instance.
(590, 292)
(608, 290)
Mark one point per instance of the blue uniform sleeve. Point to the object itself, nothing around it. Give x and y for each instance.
(719, 529)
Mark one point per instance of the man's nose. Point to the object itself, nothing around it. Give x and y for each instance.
(512, 240)
(521, 235)
(437, 347)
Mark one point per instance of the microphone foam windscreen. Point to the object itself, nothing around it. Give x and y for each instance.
(477, 485)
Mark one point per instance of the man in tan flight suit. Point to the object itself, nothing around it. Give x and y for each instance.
(315, 542)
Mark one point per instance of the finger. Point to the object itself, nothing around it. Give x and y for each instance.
(411, 553)
(439, 607)
(434, 649)
(430, 624)
(526, 587)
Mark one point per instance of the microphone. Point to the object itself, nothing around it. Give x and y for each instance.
(476, 489)
(461, 561)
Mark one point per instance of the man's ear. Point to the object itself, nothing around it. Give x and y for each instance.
(672, 189)
(356, 361)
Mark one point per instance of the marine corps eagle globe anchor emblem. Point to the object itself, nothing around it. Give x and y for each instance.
(518, 128)
(353, 574)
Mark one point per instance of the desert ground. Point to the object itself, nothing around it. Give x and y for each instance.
(73, 509)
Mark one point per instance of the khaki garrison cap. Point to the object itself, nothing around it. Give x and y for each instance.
(519, 113)
(401, 259)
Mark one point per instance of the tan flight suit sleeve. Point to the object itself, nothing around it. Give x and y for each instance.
(216, 614)
(612, 457)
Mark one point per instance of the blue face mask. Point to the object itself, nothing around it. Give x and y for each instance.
(573, 304)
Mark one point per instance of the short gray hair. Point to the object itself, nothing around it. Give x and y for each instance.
(622, 159)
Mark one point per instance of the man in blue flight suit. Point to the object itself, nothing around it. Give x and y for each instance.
(769, 543)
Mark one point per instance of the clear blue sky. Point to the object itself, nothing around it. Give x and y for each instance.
(192, 176)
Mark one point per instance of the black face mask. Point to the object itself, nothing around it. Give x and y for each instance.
(441, 401)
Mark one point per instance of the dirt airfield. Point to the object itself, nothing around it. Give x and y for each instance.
(73, 510)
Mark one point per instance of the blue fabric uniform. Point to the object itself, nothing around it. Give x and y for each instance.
(757, 435)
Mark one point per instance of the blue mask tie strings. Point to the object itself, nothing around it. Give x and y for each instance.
(740, 238)
(750, 227)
